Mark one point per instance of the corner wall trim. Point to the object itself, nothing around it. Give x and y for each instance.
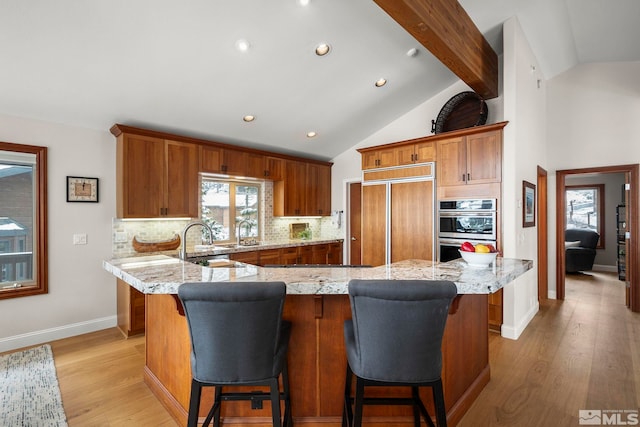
(514, 333)
(60, 332)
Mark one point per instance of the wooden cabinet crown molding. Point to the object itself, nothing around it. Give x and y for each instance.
(437, 137)
(118, 129)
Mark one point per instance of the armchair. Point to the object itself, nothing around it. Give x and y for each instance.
(580, 255)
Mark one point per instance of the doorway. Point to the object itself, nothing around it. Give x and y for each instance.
(631, 173)
(354, 222)
(543, 241)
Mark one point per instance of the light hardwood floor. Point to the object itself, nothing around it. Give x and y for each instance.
(583, 353)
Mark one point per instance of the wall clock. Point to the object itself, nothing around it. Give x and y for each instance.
(81, 189)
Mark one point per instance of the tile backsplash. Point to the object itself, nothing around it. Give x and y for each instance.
(274, 229)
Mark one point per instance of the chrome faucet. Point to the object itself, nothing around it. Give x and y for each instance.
(183, 249)
(239, 225)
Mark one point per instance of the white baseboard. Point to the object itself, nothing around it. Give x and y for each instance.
(514, 332)
(60, 332)
(608, 268)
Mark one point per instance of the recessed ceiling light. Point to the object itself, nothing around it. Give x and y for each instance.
(311, 134)
(380, 82)
(322, 49)
(304, 2)
(242, 45)
(249, 118)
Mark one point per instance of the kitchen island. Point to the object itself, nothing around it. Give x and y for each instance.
(317, 305)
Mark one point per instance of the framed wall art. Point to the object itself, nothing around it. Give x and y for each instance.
(80, 189)
(528, 204)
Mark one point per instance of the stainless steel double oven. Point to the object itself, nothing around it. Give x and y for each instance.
(465, 220)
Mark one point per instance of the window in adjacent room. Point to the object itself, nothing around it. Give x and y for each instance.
(227, 203)
(23, 220)
(585, 208)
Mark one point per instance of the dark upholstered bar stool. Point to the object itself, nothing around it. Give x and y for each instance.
(238, 338)
(395, 339)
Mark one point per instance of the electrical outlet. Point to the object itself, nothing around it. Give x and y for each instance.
(80, 239)
(120, 237)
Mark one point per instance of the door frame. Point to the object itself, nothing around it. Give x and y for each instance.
(347, 216)
(633, 172)
(543, 232)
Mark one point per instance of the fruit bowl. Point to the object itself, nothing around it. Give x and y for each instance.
(478, 259)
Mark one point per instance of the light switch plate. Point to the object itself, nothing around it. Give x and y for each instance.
(80, 239)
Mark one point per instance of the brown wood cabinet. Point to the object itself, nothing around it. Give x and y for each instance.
(155, 177)
(334, 256)
(250, 257)
(409, 152)
(268, 256)
(470, 159)
(318, 190)
(304, 191)
(130, 306)
(274, 168)
(320, 254)
(225, 161)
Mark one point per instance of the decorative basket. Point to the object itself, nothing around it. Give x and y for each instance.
(464, 110)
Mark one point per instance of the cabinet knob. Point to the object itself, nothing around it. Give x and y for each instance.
(353, 239)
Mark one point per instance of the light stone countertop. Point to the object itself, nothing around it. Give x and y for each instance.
(161, 274)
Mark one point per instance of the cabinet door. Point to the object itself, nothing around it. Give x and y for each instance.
(269, 256)
(210, 159)
(484, 157)
(141, 162)
(374, 219)
(411, 221)
(294, 202)
(319, 254)
(334, 256)
(274, 168)
(250, 257)
(256, 165)
(289, 255)
(452, 162)
(405, 155)
(234, 162)
(318, 190)
(305, 254)
(424, 152)
(182, 192)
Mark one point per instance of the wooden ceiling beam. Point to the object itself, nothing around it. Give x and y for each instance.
(445, 29)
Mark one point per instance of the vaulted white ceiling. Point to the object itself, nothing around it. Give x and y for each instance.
(174, 66)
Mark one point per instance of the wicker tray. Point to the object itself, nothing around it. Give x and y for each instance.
(464, 110)
(164, 245)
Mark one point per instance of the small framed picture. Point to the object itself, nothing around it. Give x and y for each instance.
(80, 189)
(528, 204)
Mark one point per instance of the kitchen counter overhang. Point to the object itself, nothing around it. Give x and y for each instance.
(317, 306)
(160, 274)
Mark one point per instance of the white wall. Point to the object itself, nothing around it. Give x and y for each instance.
(524, 149)
(82, 296)
(593, 113)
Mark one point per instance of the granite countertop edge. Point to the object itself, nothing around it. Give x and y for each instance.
(162, 274)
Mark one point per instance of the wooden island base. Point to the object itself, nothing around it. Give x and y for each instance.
(317, 362)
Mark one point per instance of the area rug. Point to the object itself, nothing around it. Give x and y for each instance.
(29, 391)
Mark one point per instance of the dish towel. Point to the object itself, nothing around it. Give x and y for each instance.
(336, 218)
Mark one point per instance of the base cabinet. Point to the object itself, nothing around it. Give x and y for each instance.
(317, 363)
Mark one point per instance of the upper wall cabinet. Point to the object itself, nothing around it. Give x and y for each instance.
(470, 159)
(304, 191)
(407, 153)
(155, 177)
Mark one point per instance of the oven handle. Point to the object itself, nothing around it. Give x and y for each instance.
(451, 214)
